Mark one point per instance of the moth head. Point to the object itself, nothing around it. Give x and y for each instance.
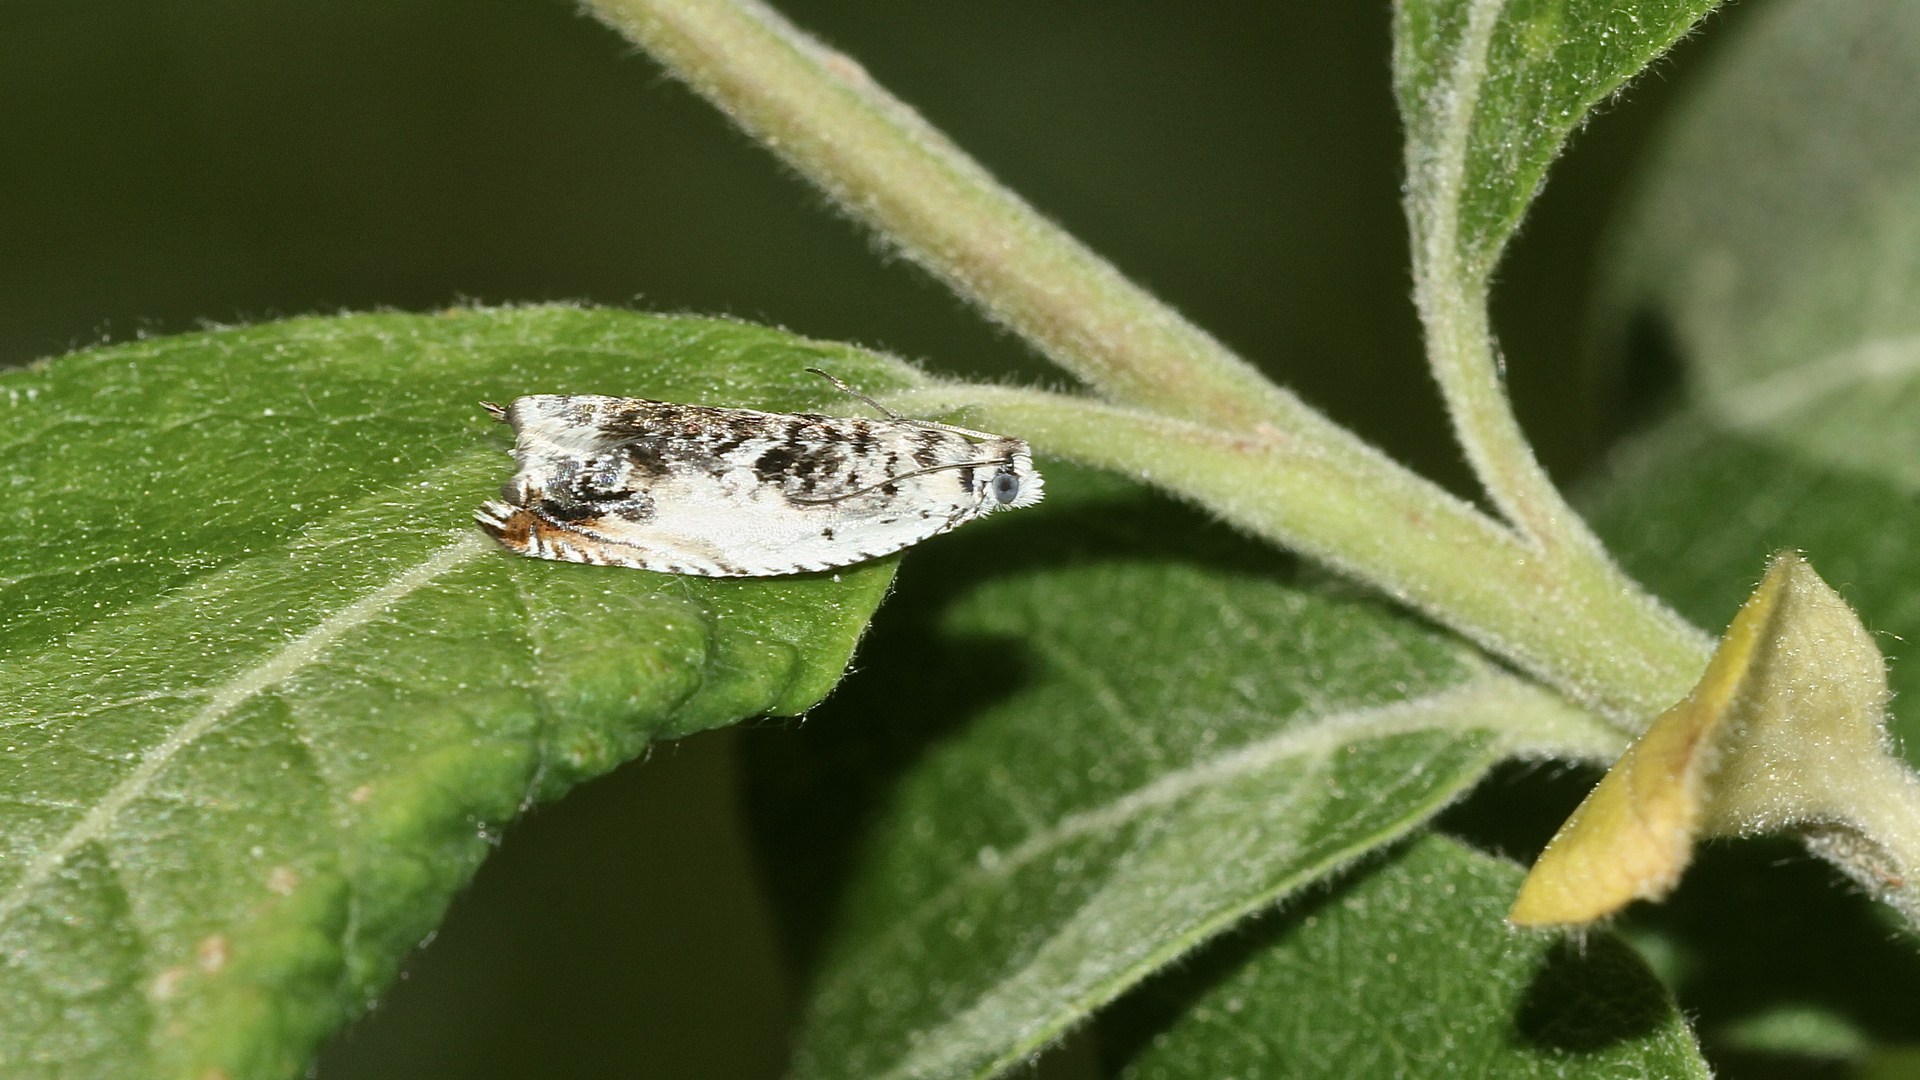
(1015, 482)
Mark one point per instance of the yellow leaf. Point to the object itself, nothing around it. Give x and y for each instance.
(1785, 729)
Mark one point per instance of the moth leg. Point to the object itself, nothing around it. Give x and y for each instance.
(494, 411)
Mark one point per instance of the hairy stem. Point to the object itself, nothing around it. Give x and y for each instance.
(1342, 502)
(890, 169)
(1190, 416)
(1450, 291)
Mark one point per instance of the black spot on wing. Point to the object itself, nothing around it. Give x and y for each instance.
(803, 468)
(636, 507)
(926, 448)
(729, 441)
(777, 463)
(649, 457)
(569, 510)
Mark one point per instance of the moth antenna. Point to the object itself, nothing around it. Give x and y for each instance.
(845, 389)
(495, 411)
(902, 476)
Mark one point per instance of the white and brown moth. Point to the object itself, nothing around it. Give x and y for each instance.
(691, 489)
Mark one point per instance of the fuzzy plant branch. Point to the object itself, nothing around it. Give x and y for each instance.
(1344, 503)
(890, 169)
(1450, 290)
(1185, 413)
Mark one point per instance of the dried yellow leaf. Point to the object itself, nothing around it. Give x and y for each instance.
(1786, 728)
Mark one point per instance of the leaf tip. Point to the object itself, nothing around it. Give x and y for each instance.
(1786, 729)
(1633, 834)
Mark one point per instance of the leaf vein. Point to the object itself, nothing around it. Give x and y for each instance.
(1772, 398)
(1500, 705)
(281, 665)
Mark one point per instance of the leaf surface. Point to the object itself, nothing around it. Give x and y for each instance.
(1773, 237)
(1772, 241)
(1409, 970)
(1489, 91)
(267, 695)
(1171, 744)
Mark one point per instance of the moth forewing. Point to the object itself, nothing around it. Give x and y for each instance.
(693, 489)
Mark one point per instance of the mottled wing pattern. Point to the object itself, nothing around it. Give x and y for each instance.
(690, 489)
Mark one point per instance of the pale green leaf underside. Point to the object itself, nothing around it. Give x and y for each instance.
(1693, 510)
(1776, 236)
(1410, 970)
(1857, 409)
(1490, 90)
(265, 692)
(1776, 239)
(1191, 745)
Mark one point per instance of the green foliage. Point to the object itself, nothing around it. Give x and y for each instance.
(1769, 250)
(1490, 90)
(1773, 236)
(266, 698)
(1166, 745)
(1772, 246)
(266, 695)
(1781, 973)
(1410, 970)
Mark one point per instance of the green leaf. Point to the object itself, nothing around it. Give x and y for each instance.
(1489, 91)
(1409, 969)
(1168, 741)
(1773, 238)
(267, 696)
(1693, 511)
(1770, 244)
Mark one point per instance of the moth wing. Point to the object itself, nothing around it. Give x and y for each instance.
(701, 524)
(732, 492)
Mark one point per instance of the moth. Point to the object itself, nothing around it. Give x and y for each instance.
(717, 492)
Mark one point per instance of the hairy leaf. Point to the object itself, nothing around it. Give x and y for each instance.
(1769, 249)
(1773, 242)
(1408, 969)
(1774, 238)
(1693, 511)
(266, 694)
(1165, 745)
(1490, 90)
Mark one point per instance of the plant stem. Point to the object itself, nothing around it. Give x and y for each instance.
(1339, 500)
(1450, 276)
(890, 169)
(1216, 431)
(1460, 352)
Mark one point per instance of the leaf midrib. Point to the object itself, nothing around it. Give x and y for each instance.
(1498, 703)
(1495, 703)
(224, 699)
(1760, 403)
(1464, 78)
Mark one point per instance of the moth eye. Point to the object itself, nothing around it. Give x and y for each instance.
(1006, 487)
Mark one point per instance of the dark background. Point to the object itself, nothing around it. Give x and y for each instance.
(169, 163)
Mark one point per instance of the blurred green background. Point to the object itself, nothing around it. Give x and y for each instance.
(169, 164)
